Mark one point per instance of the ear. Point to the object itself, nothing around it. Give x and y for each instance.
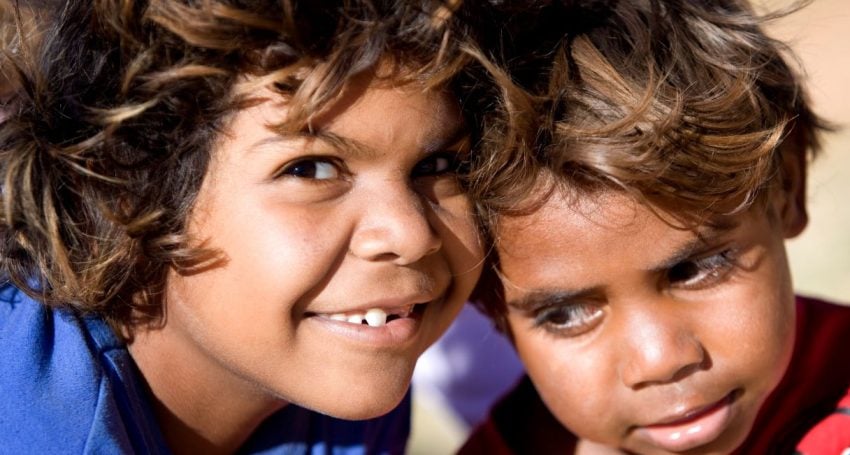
(792, 200)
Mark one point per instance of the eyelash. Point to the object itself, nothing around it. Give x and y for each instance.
(455, 163)
(702, 272)
(292, 169)
(569, 319)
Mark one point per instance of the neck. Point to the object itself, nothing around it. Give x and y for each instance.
(200, 407)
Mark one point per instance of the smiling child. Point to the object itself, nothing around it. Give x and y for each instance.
(229, 225)
(640, 240)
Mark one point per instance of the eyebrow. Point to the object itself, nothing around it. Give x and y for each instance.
(542, 298)
(455, 136)
(360, 150)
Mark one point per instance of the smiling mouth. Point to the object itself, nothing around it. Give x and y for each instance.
(374, 317)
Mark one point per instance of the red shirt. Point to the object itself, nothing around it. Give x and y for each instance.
(831, 435)
(817, 377)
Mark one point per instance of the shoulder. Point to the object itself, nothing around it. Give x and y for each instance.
(830, 435)
(825, 328)
(60, 379)
(309, 432)
(817, 377)
(816, 312)
(485, 438)
(823, 332)
(49, 390)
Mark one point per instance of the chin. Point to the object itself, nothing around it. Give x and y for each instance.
(362, 408)
(364, 395)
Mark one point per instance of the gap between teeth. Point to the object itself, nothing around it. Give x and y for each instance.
(374, 317)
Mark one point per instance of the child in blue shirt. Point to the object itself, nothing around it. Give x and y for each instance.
(228, 226)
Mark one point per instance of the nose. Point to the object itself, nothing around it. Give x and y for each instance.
(394, 226)
(660, 349)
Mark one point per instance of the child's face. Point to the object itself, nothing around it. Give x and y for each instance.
(362, 220)
(642, 336)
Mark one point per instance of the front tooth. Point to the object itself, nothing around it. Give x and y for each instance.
(376, 317)
(355, 318)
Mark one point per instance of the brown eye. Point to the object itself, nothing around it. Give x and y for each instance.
(702, 272)
(683, 272)
(439, 163)
(569, 320)
(317, 169)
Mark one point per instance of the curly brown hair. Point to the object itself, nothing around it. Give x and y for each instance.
(682, 104)
(688, 106)
(118, 105)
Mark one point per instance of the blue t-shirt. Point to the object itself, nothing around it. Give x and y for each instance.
(69, 385)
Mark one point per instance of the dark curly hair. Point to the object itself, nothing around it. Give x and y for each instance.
(683, 104)
(688, 106)
(118, 102)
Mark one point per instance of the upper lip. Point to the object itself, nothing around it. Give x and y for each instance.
(384, 304)
(689, 413)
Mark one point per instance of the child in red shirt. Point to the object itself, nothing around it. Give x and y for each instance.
(640, 242)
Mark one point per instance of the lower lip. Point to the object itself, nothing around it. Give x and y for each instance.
(693, 432)
(394, 334)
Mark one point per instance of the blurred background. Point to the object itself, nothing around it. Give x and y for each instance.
(820, 257)
(820, 35)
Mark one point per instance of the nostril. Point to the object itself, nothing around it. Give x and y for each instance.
(384, 257)
(395, 242)
(690, 369)
(664, 362)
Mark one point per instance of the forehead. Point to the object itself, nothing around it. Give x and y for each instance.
(582, 215)
(371, 97)
(574, 238)
(367, 105)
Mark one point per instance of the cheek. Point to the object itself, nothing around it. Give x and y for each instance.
(454, 222)
(754, 337)
(268, 245)
(767, 326)
(253, 296)
(575, 385)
